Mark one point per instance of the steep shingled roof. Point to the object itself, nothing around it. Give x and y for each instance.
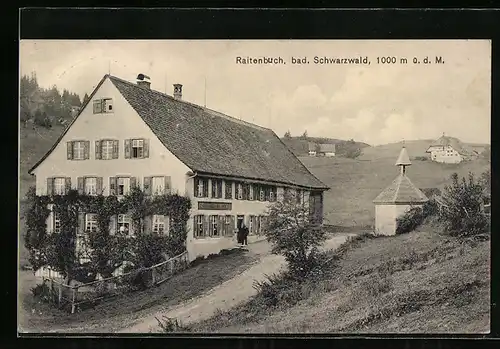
(401, 191)
(211, 142)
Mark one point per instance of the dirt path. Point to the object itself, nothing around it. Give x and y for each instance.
(226, 295)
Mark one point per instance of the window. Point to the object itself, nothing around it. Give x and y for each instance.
(90, 185)
(240, 191)
(262, 196)
(250, 194)
(78, 150)
(91, 222)
(57, 222)
(159, 224)
(272, 195)
(123, 184)
(158, 185)
(137, 148)
(299, 196)
(104, 105)
(198, 226)
(214, 226)
(201, 187)
(251, 225)
(216, 188)
(124, 224)
(229, 190)
(59, 186)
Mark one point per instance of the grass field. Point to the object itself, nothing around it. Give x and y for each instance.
(421, 282)
(355, 183)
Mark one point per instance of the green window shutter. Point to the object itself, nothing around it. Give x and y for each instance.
(67, 184)
(81, 222)
(205, 188)
(196, 182)
(116, 146)
(205, 226)
(98, 150)
(168, 185)
(112, 224)
(80, 185)
(86, 150)
(99, 186)
(50, 186)
(145, 149)
(69, 150)
(126, 148)
(112, 185)
(148, 187)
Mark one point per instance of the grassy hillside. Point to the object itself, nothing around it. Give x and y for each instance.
(355, 183)
(421, 282)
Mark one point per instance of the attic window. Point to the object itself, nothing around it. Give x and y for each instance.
(103, 105)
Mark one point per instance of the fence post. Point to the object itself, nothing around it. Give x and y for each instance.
(60, 294)
(73, 300)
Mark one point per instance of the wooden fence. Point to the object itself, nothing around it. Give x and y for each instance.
(63, 295)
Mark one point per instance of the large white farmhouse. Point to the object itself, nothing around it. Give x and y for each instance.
(448, 150)
(130, 135)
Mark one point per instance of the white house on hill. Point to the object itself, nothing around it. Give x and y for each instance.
(327, 149)
(312, 147)
(448, 150)
(128, 135)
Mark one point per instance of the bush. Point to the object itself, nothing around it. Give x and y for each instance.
(168, 325)
(295, 235)
(415, 216)
(462, 212)
(421, 158)
(278, 289)
(42, 292)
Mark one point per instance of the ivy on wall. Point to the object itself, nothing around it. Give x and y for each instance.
(105, 250)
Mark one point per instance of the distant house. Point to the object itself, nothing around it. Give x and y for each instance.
(327, 149)
(449, 150)
(312, 148)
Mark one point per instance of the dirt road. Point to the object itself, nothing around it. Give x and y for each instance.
(226, 295)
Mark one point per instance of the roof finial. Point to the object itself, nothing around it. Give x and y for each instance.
(403, 142)
(443, 134)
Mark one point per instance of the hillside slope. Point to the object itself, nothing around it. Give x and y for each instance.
(421, 282)
(300, 147)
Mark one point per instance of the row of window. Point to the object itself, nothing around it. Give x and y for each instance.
(234, 190)
(205, 226)
(119, 185)
(108, 149)
(119, 223)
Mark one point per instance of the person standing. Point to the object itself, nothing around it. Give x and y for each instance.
(245, 235)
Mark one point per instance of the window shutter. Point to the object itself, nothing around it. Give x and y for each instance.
(145, 149)
(50, 186)
(214, 192)
(168, 185)
(148, 187)
(50, 220)
(67, 184)
(220, 225)
(148, 224)
(210, 225)
(99, 185)
(80, 184)
(196, 182)
(133, 182)
(195, 227)
(205, 226)
(126, 148)
(98, 150)
(81, 222)
(69, 150)
(86, 150)
(219, 190)
(112, 185)
(205, 188)
(233, 227)
(116, 146)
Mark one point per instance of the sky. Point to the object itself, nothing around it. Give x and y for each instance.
(375, 103)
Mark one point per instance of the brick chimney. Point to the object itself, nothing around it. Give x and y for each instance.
(177, 91)
(144, 81)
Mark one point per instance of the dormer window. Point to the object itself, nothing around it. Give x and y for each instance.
(103, 105)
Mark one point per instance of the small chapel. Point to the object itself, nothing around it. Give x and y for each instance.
(397, 198)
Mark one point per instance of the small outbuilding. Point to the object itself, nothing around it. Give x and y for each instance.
(397, 198)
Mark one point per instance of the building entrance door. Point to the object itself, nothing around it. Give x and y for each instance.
(239, 221)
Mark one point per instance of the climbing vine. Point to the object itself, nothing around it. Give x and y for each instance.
(104, 250)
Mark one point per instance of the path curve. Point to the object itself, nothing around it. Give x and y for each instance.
(224, 296)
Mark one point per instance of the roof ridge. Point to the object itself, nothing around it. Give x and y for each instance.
(219, 113)
(399, 179)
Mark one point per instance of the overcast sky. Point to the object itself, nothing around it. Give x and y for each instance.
(376, 103)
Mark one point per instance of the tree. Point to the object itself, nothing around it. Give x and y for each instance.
(352, 152)
(294, 234)
(85, 98)
(288, 135)
(304, 135)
